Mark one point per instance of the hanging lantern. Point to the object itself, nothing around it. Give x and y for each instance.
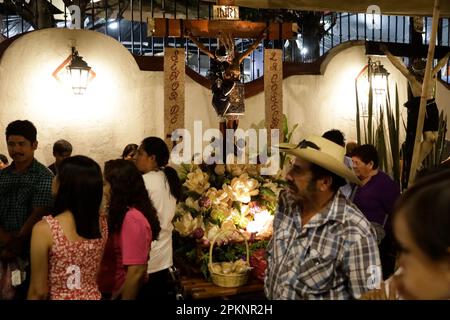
(379, 76)
(79, 72)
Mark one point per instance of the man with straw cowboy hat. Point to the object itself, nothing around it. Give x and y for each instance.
(322, 246)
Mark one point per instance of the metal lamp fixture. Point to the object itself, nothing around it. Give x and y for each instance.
(378, 75)
(79, 73)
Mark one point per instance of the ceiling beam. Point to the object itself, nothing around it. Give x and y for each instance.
(405, 50)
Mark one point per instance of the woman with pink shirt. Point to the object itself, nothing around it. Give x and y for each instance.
(133, 224)
(66, 250)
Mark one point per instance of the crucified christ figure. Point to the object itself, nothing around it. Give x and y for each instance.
(225, 73)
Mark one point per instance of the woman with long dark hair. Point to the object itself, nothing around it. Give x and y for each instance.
(164, 188)
(66, 250)
(132, 223)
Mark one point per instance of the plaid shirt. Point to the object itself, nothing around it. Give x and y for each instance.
(20, 193)
(333, 256)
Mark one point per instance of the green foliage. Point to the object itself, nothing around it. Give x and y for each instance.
(380, 143)
(370, 135)
(183, 171)
(435, 157)
(287, 136)
(386, 137)
(382, 132)
(266, 192)
(394, 131)
(358, 120)
(204, 264)
(185, 248)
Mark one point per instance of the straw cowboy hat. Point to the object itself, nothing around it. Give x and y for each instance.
(322, 152)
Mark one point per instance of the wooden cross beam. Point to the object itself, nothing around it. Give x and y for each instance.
(226, 21)
(163, 27)
(423, 101)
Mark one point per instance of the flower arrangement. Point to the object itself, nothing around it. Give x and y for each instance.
(223, 197)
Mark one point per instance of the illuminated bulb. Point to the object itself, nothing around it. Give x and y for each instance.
(113, 25)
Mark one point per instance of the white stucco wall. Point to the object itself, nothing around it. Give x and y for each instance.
(113, 112)
(124, 105)
(320, 103)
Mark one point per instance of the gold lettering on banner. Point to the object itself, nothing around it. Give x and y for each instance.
(174, 76)
(273, 89)
(225, 12)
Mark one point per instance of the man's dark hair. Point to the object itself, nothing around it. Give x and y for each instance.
(336, 136)
(366, 153)
(22, 128)
(62, 147)
(319, 173)
(4, 159)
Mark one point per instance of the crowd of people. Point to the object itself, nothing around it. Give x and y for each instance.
(84, 232)
(340, 228)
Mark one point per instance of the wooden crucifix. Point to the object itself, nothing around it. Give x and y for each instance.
(228, 96)
(227, 89)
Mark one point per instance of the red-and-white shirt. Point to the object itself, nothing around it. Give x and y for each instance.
(74, 265)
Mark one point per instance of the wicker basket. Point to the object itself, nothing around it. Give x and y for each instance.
(228, 280)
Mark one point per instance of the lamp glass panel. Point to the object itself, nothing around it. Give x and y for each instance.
(379, 82)
(79, 79)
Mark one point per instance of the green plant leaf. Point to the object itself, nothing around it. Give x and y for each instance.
(289, 136)
(285, 126)
(358, 121)
(266, 192)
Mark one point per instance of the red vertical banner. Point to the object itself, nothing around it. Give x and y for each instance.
(273, 90)
(174, 81)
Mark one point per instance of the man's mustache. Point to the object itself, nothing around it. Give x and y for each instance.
(17, 154)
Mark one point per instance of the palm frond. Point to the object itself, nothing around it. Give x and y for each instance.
(358, 121)
(370, 139)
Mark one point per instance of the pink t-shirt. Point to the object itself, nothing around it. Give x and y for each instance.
(129, 247)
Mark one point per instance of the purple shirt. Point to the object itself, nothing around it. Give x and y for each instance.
(377, 197)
